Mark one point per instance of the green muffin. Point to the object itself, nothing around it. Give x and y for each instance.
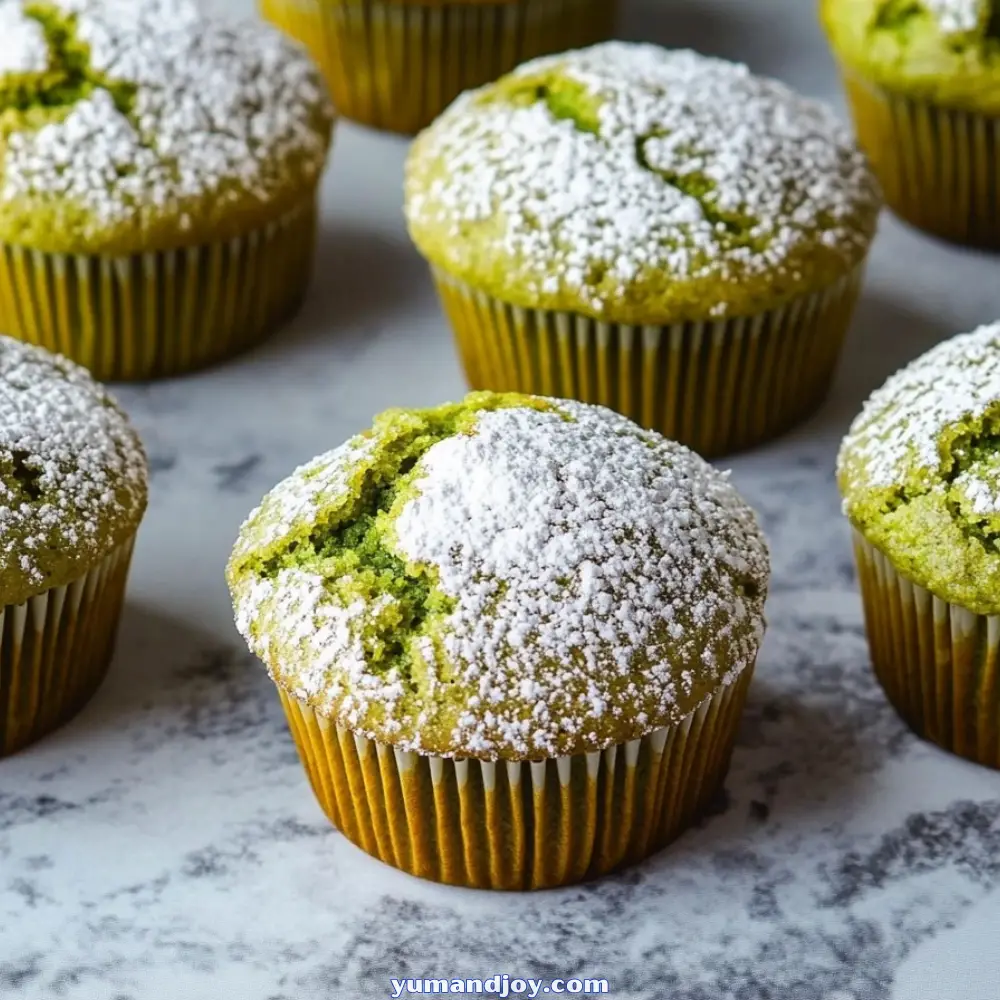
(72, 494)
(923, 78)
(158, 176)
(920, 476)
(624, 224)
(512, 581)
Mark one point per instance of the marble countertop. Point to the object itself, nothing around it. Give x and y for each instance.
(166, 844)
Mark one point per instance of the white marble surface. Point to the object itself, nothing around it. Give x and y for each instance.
(165, 844)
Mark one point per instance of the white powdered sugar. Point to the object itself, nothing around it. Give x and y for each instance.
(955, 16)
(23, 48)
(200, 106)
(980, 488)
(675, 162)
(900, 430)
(71, 467)
(598, 573)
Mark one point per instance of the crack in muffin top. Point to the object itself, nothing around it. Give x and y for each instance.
(507, 577)
(128, 125)
(639, 184)
(72, 472)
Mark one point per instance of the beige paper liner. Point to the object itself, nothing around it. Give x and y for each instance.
(55, 650)
(939, 167)
(519, 825)
(398, 64)
(153, 315)
(937, 662)
(717, 386)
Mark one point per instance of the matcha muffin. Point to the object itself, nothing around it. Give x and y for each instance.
(923, 79)
(920, 476)
(513, 636)
(397, 64)
(72, 494)
(656, 231)
(158, 176)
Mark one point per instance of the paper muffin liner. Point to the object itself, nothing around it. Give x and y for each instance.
(937, 662)
(153, 315)
(519, 825)
(939, 167)
(717, 386)
(398, 64)
(55, 650)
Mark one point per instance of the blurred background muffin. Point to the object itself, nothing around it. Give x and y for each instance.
(72, 493)
(920, 476)
(656, 231)
(923, 79)
(396, 64)
(158, 175)
(513, 636)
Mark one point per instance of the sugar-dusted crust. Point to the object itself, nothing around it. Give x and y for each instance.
(640, 185)
(72, 472)
(132, 125)
(920, 470)
(529, 578)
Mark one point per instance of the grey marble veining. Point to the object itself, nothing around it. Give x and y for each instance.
(165, 844)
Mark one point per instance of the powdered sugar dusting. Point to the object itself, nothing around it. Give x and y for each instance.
(72, 471)
(901, 429)
(24, 49)
(665, 161)
(981, 494)
(220, 108)
(955, 16)
(603, 579)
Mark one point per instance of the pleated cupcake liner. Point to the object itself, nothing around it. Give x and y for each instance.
(55, 650)
(939, 167)
(717, 386)
(938, 663)
(521, 824)
(154, 315)
(398, 64)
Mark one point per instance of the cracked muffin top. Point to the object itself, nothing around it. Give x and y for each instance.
(920, 470)
(134, 125)
(640, 185)
(507, 577)
(72, 472)
(946, 51)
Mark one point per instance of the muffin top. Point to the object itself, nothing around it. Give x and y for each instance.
(505, 577)
(135, 125)
(946, 51)
(72, 472)
(640, 185)
(920, 470)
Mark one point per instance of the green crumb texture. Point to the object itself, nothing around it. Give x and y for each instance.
(938, 523)
(909, 49)
(347, 538)
(566, 99)
(29, 101)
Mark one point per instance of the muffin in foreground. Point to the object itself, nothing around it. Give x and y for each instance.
(655, 231)
(72, 494)
(158, 176)
(397, 64)
(923, 79)
(513, 636)
(920, 476)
